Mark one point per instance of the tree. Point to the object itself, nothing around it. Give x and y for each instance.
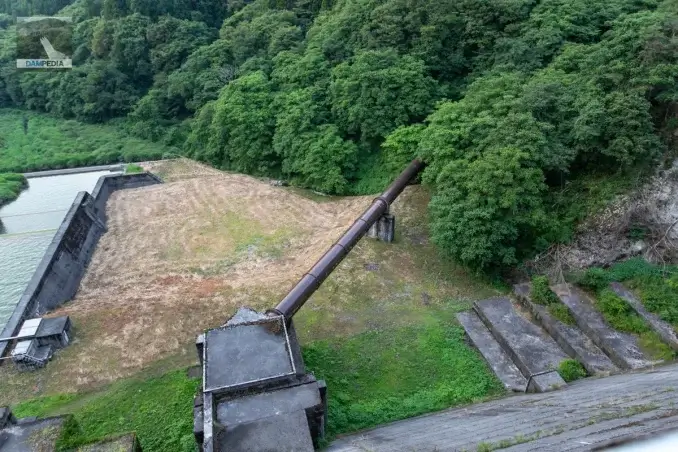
(378, 92)
(242, 125)
(173, 40)
(488, 212)
(313, 153)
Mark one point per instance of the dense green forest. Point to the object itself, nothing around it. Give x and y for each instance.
(527, 112)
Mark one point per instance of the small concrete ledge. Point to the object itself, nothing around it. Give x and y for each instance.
(570, 338)
(6, 417)
(529, 347)
(32, 436)
(663, 329)
(124, 443)
(545, 382)
(622, 348)
(498, 360)
(284, 433)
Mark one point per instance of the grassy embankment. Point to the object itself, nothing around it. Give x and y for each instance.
(655, 286)
(50, 143)
(373, 378)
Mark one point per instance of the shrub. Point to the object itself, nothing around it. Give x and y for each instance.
(595, 279)
(632, 268)
(541, 293)
(133, 168)
(619, 313)
(562, 313)
(658, 295)
(571, 370)
(10, 186)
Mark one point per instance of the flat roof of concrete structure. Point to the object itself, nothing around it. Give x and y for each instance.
(246, 409)
(52, 326)
(245, 354)
(285, 432)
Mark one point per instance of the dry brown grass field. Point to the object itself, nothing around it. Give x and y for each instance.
(180, 257)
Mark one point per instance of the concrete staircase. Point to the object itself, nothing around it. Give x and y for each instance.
(525, 345)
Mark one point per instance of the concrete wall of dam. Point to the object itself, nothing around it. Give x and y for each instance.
(57, 277)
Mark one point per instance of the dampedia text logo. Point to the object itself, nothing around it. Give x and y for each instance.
(39, 37)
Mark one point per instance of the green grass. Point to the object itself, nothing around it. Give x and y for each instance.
(658, 296)
(373, 377)
(159, 410)
(652, 284)
(571, 370)
(382, 376)
(10, 186)
(51, 143)
(541, 293)
(562, 313)
(619, 314)
(133, 168)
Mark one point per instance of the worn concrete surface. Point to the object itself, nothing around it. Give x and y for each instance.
(40, 435)
(86, 169)
(622, 348)
(530, 348)
(498, 360)
(570, 338)
(242, 355)
(288, 433)
(663, 329)
(257, 406)
(579, 417)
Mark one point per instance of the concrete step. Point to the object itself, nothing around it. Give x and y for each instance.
(534, 352)
(495, 356)
(622, 348)
(570, 338)
(663, 329)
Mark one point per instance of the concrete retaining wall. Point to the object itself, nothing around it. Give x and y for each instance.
(57, 277)
(110, 183)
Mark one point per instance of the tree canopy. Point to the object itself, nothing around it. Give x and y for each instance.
(509, 102)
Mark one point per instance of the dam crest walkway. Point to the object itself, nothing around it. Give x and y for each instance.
(586, 414)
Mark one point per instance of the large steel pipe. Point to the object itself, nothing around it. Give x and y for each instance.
(310, 282)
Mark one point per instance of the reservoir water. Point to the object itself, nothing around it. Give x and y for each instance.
(30, 223)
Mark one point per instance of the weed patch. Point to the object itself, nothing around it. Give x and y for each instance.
(571, 370)
(658, 295)
(619, 314)
(133, 168)
(562, 313)
(541, 292)
(10, 186)
(159, 410)
(383, 376)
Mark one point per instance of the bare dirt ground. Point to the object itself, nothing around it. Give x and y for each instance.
(179, 258)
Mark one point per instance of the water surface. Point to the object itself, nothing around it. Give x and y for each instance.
(30, 223)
